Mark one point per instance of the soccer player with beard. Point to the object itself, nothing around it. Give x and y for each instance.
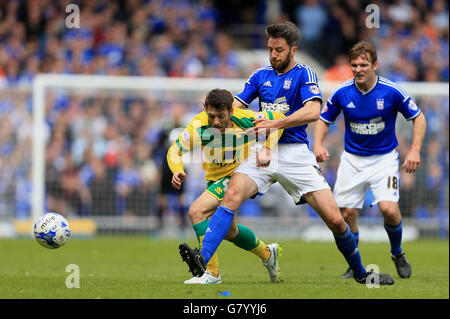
(291, 88)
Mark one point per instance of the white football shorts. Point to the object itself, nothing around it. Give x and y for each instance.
(356, 173)
(293, 165)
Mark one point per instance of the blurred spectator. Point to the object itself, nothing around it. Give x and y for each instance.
(407, 203)
(182, 38)
(71, 190)
(170, 199)
(388, 53)
(340, 71)
(400, 11)
(126, 180)
(224, 61)
(143, 198)
(102, 195)
(312, 18)
(105, 154)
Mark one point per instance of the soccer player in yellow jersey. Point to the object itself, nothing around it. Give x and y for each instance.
(220, 130)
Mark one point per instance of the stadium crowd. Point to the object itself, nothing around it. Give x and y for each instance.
(105, 153)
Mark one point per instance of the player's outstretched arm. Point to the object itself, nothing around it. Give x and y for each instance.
(310, 112)
(320, 131)
(412, 159)
(238, 104)
(273, 134)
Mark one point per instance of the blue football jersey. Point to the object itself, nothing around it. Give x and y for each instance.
(285, 93)
(370, 116)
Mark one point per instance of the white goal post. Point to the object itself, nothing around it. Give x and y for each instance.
(86, 83)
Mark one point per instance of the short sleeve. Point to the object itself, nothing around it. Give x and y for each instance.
(331, 109)
(250, 91)
(309, 86)
(189, 137)
(408, 108)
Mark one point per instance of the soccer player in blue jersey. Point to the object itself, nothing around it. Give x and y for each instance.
(370, 104)
(291, 88)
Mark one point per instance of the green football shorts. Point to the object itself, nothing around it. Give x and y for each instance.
(219, 187)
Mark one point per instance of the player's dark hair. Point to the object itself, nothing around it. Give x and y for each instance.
(286, 30)
(219, 99)
(362, 48)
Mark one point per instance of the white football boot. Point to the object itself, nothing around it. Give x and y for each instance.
(206, 279)
(272, 263)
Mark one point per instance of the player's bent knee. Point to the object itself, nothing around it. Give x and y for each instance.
(196, 214)
(232, 233)
(389, 210)
(232, 198)
(336, 224)
(348, 213)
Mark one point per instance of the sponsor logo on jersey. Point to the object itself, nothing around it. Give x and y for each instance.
(279, 105)
(412, 106)
(351, 105)
(287, 84)
(314, 89)
(267, 84)
(374, 127)
(380, 104)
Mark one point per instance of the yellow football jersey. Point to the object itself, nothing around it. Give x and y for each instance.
(223, 152)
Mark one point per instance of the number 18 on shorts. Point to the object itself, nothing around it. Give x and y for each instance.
(356, 173)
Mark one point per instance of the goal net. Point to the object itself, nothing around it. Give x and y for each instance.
(93, 148)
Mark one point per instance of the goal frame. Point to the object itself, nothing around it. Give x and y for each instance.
(77, 82)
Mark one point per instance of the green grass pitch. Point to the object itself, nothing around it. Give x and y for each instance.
(144, 268)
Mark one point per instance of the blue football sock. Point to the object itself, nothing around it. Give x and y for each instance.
(395, 237)
(217, 230)
(346, 244)
(356, 235)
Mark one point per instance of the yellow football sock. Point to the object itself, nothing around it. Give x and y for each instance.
(213, 264)
(262, 251)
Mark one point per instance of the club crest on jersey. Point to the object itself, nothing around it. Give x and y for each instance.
(186, 137)
(287, 84)
(259, 116)
(314, 89)
(380, 104)
(412, 106)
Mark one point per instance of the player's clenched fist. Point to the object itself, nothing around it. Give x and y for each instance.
(321, 153)
(412, 161)
(263, 157)
(178, 179)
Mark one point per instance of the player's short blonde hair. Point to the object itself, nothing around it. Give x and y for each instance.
(363, 48)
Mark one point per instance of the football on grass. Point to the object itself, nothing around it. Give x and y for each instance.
(52, 230)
